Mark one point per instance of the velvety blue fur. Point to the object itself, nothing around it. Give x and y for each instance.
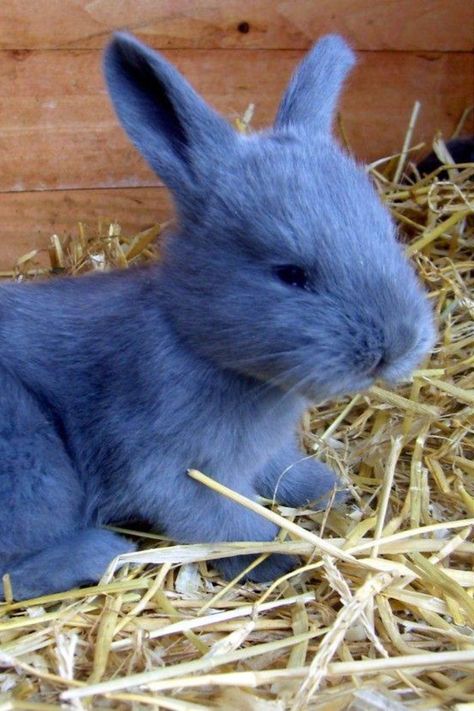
(113, 385)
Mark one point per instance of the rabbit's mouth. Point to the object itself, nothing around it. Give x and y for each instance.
(398, 370)
(317, 384)
(317, 393)
(382, 373)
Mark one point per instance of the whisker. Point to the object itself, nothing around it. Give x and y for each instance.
(297, 387)
(277, 381)
(264, 357)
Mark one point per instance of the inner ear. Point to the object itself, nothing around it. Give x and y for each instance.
(154, 105)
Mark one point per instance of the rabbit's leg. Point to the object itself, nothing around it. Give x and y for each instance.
(292, 479)
(295, 479)
(205, 516)
(43, 543)
(77, 558)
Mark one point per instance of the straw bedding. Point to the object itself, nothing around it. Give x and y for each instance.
(381, 613)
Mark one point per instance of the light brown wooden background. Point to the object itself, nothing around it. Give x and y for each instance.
(63, 157)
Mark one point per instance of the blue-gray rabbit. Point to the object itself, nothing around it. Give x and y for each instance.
(282, 285)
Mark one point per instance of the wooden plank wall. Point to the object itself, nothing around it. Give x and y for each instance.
(63, 157)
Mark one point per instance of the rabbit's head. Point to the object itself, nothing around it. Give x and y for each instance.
(285, 266)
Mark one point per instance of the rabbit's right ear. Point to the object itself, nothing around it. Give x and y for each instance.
(169, 123)
(311, 97)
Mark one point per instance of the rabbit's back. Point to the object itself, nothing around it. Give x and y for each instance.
(127, 395)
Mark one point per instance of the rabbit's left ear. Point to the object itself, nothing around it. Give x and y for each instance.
(311, 98)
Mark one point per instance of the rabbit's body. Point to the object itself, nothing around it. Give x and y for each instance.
(283, 284)
(107, 355)
(87, 371)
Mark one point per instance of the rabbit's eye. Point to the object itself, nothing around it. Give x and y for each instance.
(292, 275)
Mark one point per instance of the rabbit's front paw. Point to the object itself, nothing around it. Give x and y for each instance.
(270, 569)
(304, 482)
(310, 482)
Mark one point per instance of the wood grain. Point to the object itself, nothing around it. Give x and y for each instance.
(57, 130)
(63, 157)
(28, 220)
(429, 25)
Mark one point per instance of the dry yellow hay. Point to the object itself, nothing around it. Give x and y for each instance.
(381, 613)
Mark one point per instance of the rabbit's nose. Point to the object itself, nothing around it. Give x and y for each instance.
(378, 363)
(381, 361)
